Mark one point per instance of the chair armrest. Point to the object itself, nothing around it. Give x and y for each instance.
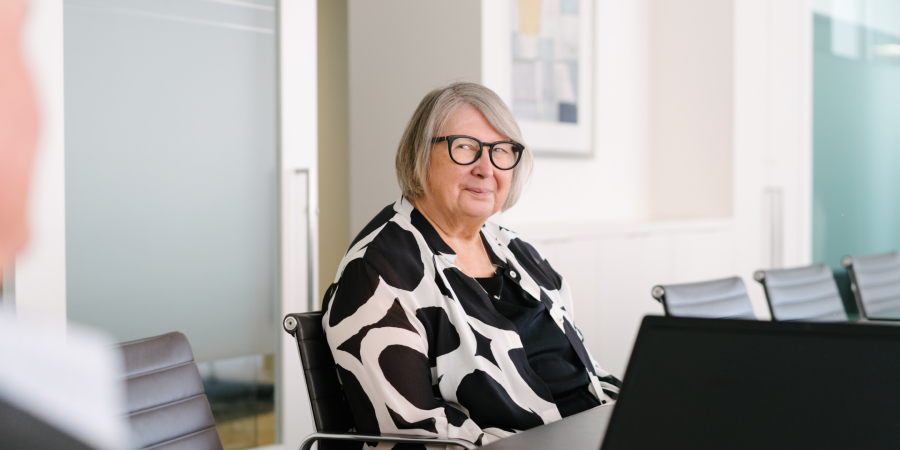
(396, 439)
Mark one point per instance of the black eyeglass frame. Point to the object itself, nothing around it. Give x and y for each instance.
(518, 149)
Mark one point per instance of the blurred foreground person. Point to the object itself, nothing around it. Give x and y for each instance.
(59, 388)
(18, 132)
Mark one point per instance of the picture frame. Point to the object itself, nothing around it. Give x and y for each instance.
(538, 56)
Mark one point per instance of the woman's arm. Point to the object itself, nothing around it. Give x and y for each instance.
(382, 360)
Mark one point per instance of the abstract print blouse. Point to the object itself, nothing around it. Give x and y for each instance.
(419, 347)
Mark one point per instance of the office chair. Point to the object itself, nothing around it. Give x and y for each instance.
(165, 400)
(875, 281)
(331, 412)
(715, 299)
(804, 293)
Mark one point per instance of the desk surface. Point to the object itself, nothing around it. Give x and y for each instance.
(583, 431)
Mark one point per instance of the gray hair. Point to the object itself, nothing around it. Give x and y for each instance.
(414, 152)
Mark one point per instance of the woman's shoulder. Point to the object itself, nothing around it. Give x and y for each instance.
(386, 250)
(389, 247)
(374, 226)
(391, 222)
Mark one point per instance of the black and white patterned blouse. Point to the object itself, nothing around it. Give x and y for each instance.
(420, 348)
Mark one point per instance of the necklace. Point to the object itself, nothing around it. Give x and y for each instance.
(457, 262)
(466, 271)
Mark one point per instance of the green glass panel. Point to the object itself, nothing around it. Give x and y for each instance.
(856, 141)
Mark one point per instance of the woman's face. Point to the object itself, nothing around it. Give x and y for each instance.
(477, 190)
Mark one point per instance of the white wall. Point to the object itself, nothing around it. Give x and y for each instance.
(613, 184)
(691, 121)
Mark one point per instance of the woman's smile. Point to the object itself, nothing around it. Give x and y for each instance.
(481, 192)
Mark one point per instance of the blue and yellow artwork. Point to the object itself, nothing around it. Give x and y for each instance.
(545, 54)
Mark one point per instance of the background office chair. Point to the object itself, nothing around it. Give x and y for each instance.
(875, 281)
(715, 299)
(331, 412)
(166, 404)
(803, 293)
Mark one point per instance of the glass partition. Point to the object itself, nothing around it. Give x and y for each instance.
(856, 137)
(171, 188)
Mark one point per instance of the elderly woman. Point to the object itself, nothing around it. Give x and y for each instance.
(443, 324)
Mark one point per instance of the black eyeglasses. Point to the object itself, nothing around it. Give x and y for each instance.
(465, 150)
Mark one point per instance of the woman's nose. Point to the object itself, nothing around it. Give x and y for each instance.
(483, 166)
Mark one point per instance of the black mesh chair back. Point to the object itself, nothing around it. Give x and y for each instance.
(330, 409)
(331, 412)
(725, 298)
(804, 293)
(166, 404)
(875, 281)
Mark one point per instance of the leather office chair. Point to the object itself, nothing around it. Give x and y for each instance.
(875, 281)
(166, 403)
(803, 293)
(331, 412)
(725, 298)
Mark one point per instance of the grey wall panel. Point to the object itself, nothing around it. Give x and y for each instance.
(399, 50)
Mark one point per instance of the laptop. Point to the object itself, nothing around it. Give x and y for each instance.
(734, 384)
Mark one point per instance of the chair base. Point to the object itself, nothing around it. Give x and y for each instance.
(397, 439)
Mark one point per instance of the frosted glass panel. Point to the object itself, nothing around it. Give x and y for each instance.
(856, 137)
(171, 157)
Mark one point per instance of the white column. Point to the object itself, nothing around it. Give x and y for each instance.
(41, 269)
(772, 132)
(299, 151)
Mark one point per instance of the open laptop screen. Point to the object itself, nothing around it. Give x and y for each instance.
(706, 383)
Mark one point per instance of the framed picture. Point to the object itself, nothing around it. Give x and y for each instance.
(537, 55)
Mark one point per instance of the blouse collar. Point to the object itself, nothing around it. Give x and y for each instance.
(433, 238)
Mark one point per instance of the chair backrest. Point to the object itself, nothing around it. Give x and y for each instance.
(804, 293)
(330, 409)
(166, 403)
(715, 299)
(875, 280)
